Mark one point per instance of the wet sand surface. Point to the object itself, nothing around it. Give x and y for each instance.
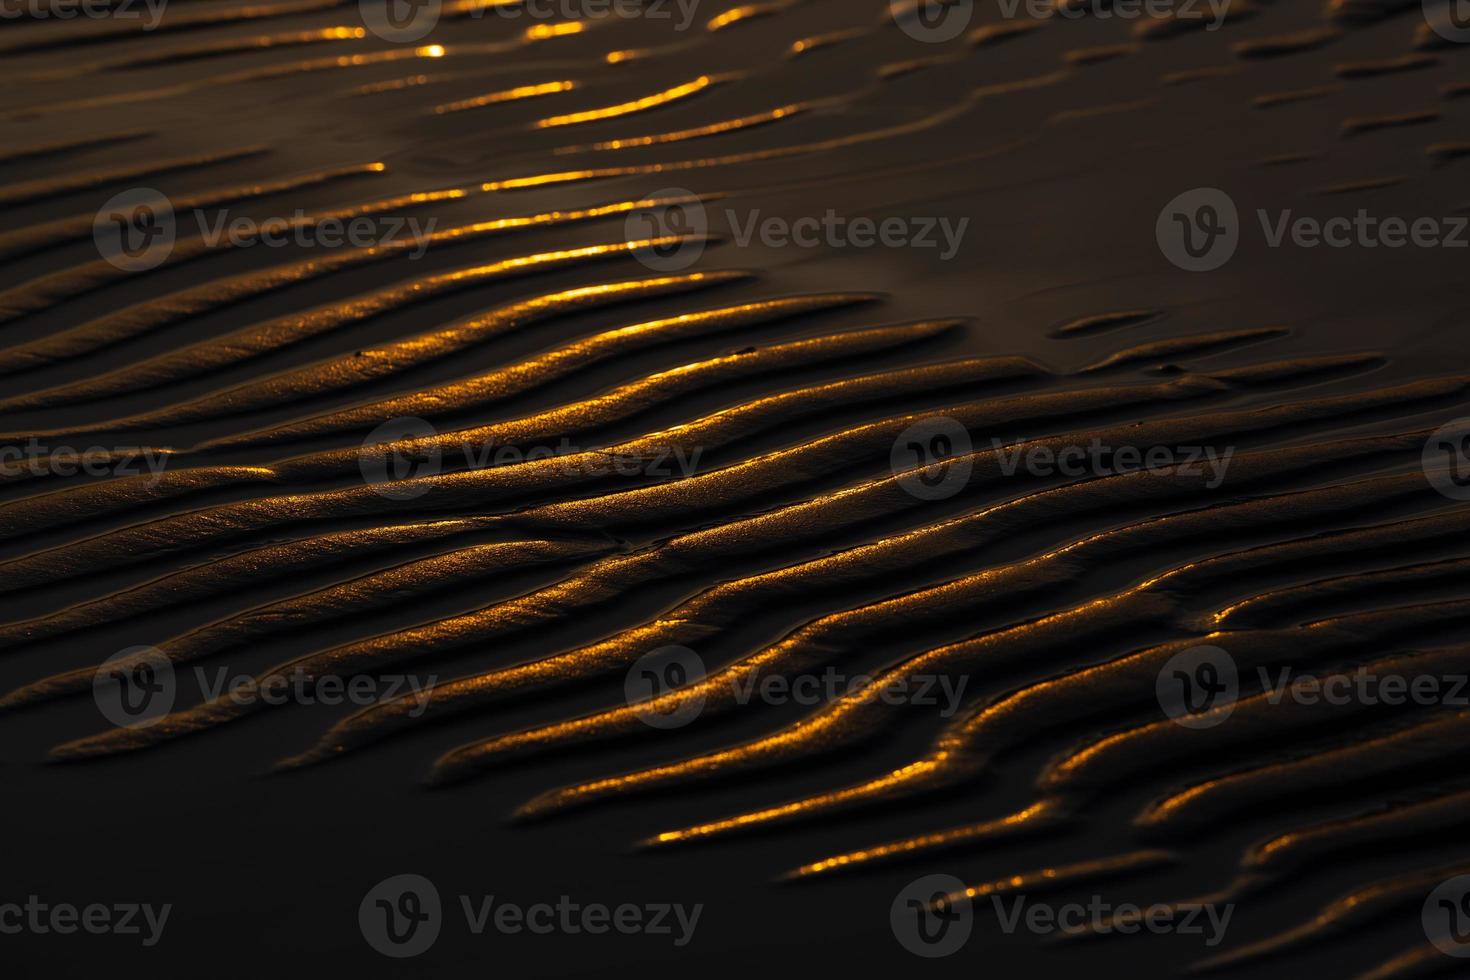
(562, 273)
